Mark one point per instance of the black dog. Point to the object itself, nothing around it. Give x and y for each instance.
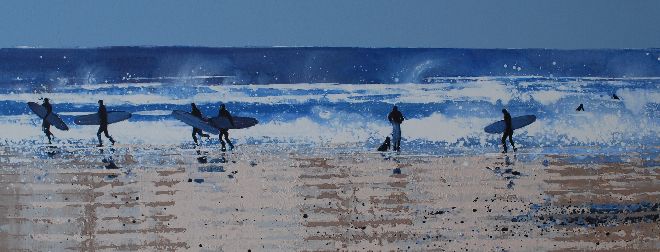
(385, 146)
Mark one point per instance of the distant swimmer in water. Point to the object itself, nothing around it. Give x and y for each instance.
(225, 132)
(508, 131)
(45, 125)
(580, 108)
(615, 97)
(195, 112)
(103, 124)
(396, 118)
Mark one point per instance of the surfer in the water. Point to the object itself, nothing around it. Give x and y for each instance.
(396, 118)
(195, 112)
(225, 132)
(580, 108)
(508, 131)
(45, 125)
(103, 124)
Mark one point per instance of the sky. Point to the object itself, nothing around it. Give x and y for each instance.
(558, 24)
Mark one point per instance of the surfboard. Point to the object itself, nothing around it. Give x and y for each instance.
(93, 119)
(53, 118)
(194, 121)
(239, 122)
(516, 122)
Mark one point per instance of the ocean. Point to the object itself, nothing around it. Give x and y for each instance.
(341, 96)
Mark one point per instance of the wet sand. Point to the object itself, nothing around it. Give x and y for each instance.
(260, 198)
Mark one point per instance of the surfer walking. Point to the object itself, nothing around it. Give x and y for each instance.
(396, 118)
(224, 113)
(45, 125)
(508, 131)
(103, 124)
(197, 113)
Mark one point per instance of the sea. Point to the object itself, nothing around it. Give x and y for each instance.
(340, 97)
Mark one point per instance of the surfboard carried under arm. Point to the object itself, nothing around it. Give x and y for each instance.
(194, 121)
(94, 119)
(516, 122)
(53, 118)
(239, 122)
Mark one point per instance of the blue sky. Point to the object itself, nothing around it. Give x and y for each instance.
(563, 24)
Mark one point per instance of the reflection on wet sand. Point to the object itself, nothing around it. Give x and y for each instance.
(166, 199)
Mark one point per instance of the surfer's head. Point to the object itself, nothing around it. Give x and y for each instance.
(395, 108)
(504, 111)
(193, 105)
(222, 106)
(100, 102)
(46, 100)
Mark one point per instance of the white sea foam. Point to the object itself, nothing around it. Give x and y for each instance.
(97, 86)
(439, 128)
(548, 97)
(587, 128)
(606, 121)
(636, 100)
(407, 93)
(153, 112)
(72, 113)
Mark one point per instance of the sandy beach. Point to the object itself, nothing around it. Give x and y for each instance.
(263, 198)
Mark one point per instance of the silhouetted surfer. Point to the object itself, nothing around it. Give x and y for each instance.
(45, 125)
(396, 118)
(225, 114)
(615, 97)
(195, 111)
(103, 124)
(580, 108)
(508, 131)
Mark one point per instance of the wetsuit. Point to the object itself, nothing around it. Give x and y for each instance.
(45, 125)
(195, 112)
(508, 132)
(225, 132)
(103, 125)
(396, 118)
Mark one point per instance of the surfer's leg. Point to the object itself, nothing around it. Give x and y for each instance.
(105, 131)
(398, 137)
(222, 142)
(45, 127)
(231, 146)
(511, 141)
(504, 142)
(201, 133)
(48, 134)
(194, 135)
(398, 140)
(98, 135)
(109, 137)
